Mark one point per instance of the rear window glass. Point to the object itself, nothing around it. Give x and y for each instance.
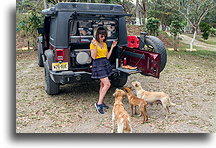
(89, 27)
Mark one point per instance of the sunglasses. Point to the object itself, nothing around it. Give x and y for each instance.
(102, 36)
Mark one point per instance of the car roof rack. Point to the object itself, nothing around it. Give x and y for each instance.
(86, 8)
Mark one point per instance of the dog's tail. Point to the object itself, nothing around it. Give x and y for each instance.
(170, 102)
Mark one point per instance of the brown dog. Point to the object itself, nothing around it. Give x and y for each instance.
(153, 97)
(120, 114)
(135, 101)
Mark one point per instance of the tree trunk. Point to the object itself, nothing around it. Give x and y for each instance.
(137, 13)
(145, 11)
(175, 43)
(193, 39)
(45, 5)
(140, 18)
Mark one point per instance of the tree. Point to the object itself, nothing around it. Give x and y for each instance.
(192, 10)
(158, 10)
(176, 28)
(45, 4)
(137, 13)
(141, 11)
(144, 3)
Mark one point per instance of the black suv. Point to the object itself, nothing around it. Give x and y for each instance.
(63, 48)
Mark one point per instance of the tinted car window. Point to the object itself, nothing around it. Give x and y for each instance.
(89, 27)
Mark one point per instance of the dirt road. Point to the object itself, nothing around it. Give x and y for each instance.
(189, 80)
(187, 40)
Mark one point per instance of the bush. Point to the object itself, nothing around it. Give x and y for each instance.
(153, 25)
(176, 27)
(205, 29)
(213, 31)
(28, 26)
(205, 35)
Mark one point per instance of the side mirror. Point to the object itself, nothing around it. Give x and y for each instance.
(40, 30)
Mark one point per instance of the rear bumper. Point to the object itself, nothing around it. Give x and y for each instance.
(66, 77)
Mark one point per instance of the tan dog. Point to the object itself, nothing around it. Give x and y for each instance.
(135, 101)
(120, 114)
(153, 97)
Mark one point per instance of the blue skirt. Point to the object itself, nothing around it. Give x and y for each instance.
(101, 68)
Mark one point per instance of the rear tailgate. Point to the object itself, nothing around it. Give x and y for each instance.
(147, 62)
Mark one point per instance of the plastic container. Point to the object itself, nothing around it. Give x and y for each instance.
(117, 62)
(133, 42)
(124, 62)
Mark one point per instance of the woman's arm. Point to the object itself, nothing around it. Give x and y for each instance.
(111, 49)
(94, 50)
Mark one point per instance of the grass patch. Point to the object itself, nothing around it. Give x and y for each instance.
(199, 53)
(165, 34)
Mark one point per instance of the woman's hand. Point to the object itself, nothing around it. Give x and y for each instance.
(113, 44)
(94, 42)
(111, 49)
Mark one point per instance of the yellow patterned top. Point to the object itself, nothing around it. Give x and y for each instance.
(101, 52)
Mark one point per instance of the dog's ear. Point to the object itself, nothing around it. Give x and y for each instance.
(123, 93)
(130, 88)
(126, 89)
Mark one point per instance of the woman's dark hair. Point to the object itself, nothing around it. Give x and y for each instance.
(102, 31)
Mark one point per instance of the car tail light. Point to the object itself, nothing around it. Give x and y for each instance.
(59, 54)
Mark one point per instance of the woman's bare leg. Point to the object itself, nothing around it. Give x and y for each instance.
(104, 88)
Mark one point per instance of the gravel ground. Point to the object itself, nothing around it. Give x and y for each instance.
(189, 80)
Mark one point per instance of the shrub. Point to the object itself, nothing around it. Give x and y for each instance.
(213, 31)
(153, 25)
(176, 27)
(29, 24)
(205, 29)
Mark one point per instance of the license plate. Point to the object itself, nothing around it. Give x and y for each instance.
(59, 66)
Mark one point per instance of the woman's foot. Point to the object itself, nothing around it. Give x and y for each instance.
(105, 106)
(99, 108)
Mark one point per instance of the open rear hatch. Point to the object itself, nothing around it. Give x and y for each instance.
(147, 63)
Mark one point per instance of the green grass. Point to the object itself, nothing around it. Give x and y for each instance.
(211, 40)
(164, 33)
(199, 53)
(184, 46)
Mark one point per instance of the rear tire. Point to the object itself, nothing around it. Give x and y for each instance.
(51, 87)
(156, 45)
